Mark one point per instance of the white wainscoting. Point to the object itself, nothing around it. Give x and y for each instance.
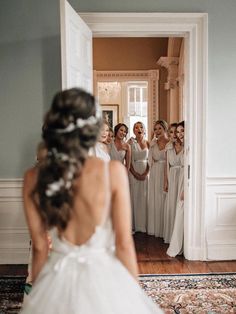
(220, 221)
(221, 218)
(14, 235)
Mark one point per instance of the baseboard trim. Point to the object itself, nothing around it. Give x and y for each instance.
(222, 252)
(194, 254)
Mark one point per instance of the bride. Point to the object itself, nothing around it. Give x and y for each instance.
(85, 203)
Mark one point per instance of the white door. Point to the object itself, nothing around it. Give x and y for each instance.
(76, 49)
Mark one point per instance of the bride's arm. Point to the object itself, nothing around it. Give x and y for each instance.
(121, 217)
(36, 227)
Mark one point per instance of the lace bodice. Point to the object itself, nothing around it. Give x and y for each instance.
(101, 242)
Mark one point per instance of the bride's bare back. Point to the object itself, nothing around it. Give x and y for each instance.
(92, 201)
(100, 190)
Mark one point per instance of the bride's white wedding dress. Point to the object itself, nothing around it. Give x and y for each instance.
(87, 279)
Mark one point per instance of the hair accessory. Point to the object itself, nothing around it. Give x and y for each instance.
(80, 123)
(54, 187)
(61, 156)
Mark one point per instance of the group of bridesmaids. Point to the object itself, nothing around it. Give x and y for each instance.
(156, 176)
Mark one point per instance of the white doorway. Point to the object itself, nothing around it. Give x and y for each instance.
(193, 27)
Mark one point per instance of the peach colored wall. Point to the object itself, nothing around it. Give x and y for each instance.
(116, 54)
(181, 81)
(174, 46)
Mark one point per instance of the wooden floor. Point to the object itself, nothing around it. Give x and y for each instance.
(13, 270)
(152, 259)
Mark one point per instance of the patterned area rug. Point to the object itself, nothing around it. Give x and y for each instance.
(175, 294)
(202, 294)
(11, 294)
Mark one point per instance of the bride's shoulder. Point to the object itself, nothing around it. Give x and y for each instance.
(30, 178)
(30, 174)
(117, 169)
(94, 162)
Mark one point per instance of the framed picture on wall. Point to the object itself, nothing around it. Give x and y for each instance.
(110, 113)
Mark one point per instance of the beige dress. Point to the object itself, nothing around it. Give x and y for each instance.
(177, 238)
(116, 154)
(156, 194)
(139, 189)
(174, 165)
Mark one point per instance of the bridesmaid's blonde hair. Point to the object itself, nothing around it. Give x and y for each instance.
(162, 123)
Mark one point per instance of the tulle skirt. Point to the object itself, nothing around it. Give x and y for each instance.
(101, 285)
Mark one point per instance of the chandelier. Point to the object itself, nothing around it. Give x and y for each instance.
(108, 90)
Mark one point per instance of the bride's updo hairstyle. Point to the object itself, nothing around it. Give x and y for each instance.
(71, 128)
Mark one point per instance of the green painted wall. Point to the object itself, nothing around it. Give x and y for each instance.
(30, 73)
(29, 76)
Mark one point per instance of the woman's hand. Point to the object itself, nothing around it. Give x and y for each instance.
(166, 187)
(143, 177)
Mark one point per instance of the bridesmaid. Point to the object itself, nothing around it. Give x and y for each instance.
(101, 149)
(171, 135)
(119, 149)
(169, 145)
(110, 136)
(177, 238)
(173, 167)
(156, 195)
(139, 177)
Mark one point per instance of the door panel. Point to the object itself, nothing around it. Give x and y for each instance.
(76, 49)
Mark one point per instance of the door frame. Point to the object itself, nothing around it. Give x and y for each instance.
(194, 28)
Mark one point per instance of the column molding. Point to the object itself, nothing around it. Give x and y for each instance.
(172, 66)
